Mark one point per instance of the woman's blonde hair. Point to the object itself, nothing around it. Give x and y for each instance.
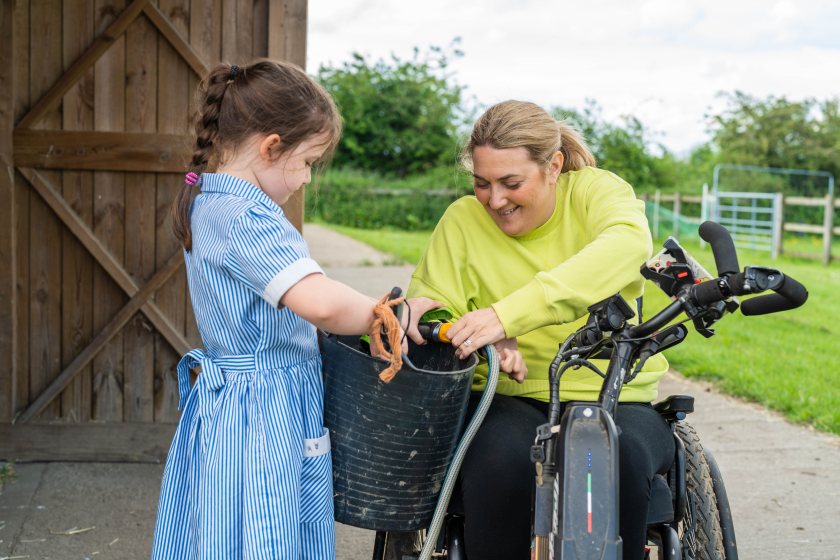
(521, 124)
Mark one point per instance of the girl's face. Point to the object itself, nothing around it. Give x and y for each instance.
(518, 193)
(280, 178)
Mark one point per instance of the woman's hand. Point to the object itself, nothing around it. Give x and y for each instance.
(418, 307)
(475, 329)
(511, 360)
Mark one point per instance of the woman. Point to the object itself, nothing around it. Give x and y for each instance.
(545, 236)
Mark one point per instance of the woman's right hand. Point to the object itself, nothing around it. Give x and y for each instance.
(511, 360)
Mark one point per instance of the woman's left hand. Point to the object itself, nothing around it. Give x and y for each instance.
(474, 330)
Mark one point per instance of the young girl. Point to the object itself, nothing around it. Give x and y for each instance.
(249, 471)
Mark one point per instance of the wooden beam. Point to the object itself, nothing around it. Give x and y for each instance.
(287, 20)
(91, 441)
(803, 228)
(103, 257)
(182, 47)
(108, 332)
(73, 74)
(8, 256)
(103, 151)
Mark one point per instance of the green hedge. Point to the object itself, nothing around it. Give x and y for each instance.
(364, 200)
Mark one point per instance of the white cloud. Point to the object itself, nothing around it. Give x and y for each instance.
(663, 61)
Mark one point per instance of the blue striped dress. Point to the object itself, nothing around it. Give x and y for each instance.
(249, 471)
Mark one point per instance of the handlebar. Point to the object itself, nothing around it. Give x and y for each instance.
(726, 259)
(790, 294)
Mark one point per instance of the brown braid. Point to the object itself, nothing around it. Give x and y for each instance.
(263, 97)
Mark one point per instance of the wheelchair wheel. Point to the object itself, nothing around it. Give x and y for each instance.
(700, 531)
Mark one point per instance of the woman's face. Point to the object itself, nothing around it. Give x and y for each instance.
(518, 193)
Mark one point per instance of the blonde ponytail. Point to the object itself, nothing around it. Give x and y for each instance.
(521, 124)
(576, 154)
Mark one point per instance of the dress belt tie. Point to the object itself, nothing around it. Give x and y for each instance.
(212, 376)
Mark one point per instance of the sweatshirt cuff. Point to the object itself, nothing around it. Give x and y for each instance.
(524, 310)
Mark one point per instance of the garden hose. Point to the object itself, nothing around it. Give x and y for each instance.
(461, 451)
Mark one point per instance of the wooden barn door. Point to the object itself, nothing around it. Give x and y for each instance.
(96, 98)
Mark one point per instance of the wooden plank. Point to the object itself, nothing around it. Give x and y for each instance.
(287, 30)
(101, 254)
(102, 339)
(206, 38)
(804, 201)
(229, 30)
(109, 219)
(138, 443)
(45, 261)
(287, 41)
(206, 30)
(244, 30)
(173, 118)
(21, 53)
(141, 116)
(803, 228)
(118, 151)
(77, 190)
(259, 48)
(171, 34)
(109, 35)
(8, 256)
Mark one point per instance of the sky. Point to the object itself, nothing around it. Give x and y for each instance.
(663, 61)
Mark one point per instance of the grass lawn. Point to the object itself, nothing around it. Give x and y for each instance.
(786, 361)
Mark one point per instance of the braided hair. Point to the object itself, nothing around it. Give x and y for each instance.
(235, 103)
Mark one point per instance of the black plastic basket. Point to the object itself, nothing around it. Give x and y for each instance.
(392, 442)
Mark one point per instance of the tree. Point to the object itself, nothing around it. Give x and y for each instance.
(624, 149)
(776, 132)
(401, 117)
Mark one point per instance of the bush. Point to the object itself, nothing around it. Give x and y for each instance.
(370, 201)
(401, 117)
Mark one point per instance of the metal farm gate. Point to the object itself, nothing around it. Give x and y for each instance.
(95, 105)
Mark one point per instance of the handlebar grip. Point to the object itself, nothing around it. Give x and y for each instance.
(726, 259)
(708, 292)
(789, 295)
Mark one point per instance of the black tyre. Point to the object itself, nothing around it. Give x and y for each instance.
(699, 531)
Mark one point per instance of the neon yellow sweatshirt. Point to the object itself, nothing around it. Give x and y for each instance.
(541, 283)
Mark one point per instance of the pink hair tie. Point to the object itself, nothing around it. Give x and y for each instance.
(191, 179)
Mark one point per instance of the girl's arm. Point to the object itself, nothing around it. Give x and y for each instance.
(339, 309)
(330, 305)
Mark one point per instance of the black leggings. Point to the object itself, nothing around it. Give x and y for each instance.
(497, 476)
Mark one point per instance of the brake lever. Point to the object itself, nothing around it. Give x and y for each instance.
(659, 342)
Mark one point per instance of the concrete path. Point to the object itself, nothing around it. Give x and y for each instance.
(783, 480)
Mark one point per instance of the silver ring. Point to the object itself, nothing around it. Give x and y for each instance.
(468, 342)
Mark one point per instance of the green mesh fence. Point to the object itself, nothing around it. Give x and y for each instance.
(665, 222)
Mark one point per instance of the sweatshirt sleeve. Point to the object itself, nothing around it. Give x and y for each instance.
(616, 241)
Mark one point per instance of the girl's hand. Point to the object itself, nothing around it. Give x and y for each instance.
(475, 329)
(511, 360)
(419, 306)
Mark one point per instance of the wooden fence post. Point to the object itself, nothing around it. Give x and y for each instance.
(8, 257)
(828, 227)
(677, 213)
(778, 225)
(656, 196)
